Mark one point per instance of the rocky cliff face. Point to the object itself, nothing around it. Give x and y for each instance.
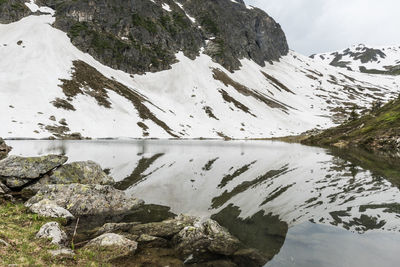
(141, 35)
(12, 10)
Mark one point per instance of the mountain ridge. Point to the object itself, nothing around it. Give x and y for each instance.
(364, 58)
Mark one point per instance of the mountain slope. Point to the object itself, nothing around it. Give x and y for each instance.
(379, 130)
(367, 59)
(49, 87)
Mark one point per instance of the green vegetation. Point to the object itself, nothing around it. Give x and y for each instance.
(146, 23)
(377, 130)
(209, 24)
(18, 227)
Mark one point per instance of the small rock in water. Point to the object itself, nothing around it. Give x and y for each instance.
(115, 227)
(53, 231)
(49, 209)
(204, 238)
(165, 229)
(117, 245)
(87, 199)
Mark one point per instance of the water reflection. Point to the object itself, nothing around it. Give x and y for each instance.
(259, 190)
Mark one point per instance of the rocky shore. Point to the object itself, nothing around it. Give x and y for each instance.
(90, 215)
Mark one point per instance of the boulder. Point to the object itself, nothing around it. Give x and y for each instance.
(4, 189)
(249, 257)
(49, 209)
(3, 146)
(83, 172)
(204, 238)
(14, 183)
(115, 228)
(53, 231)
(113, 245)
(165, 229)
(152, 241)
(62, 252)
(29, 168)
(87, 199)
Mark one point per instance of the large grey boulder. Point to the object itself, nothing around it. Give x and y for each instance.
(87, 199)
(53, 231)
(113, 245)
(49, 209)
(83, 172)
(29, 168)
(205, 237)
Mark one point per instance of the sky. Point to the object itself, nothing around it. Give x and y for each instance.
(315, 26)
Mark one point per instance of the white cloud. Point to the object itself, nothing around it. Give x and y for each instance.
(313, 26)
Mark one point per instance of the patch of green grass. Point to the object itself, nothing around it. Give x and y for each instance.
(18, 227)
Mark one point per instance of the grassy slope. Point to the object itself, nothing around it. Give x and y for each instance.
(374, 131)
(18, 228)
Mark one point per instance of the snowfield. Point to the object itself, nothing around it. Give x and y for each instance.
(194, 99)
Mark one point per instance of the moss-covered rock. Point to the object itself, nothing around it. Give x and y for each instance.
(83, 172)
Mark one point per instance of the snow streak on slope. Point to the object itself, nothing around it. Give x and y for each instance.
(49, 87)
(383, 58)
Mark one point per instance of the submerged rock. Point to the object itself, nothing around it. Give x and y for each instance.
(87, 199)
(49, 209)
(115, 227)
(113, 245)
(166, 229)
(53, 231)
(29, 168)
(204, 238)
(83, 172)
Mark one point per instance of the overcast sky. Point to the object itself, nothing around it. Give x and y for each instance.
(314, 26)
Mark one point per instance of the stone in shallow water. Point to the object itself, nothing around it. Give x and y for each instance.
(29, 168)
(83, 172)
(118, 245)
(49, 209)
(87, 199)
(203, 238)
(53, 231)
(166, 229)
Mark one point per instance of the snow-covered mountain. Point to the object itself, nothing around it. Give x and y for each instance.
(49, 87)
(363, 58)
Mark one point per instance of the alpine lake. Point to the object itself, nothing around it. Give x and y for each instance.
(297, 205)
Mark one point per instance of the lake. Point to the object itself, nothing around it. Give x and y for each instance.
(299, 205)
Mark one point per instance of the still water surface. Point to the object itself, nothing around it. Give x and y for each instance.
(299, 205)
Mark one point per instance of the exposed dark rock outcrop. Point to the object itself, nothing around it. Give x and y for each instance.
(140, 35)
(13, 10)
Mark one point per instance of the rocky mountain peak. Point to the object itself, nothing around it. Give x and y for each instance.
(137, 36)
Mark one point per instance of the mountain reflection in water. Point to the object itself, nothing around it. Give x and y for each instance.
(281, 199)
